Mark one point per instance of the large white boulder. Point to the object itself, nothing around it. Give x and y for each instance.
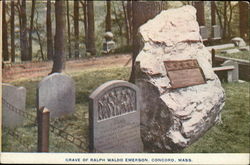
(173, 118)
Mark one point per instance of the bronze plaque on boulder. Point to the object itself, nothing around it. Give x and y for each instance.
(184, 73)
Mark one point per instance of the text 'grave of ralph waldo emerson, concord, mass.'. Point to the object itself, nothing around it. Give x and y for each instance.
(115, 118)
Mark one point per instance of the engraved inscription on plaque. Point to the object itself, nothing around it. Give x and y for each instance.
(184, 73)
(115, 118)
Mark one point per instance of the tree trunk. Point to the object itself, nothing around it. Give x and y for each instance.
(23, 30)
(142, 12)
(213, 16)
(50, 51)
(130, 17)
(91, 28)
(218, 15)
(12, 29)
(244, 19)
(108, 16)
(126, 20)
(40, 43)
(69, 36)
(5, 33)
(76, 26)
(31, 29)
(84, 5)
(199, 5)
(225, 20)
(59, 57)
(39, 36)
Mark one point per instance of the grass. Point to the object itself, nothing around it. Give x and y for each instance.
(244, 55)
(230, 137)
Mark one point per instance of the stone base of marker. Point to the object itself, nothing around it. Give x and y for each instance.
(174, 112)
(13, 102)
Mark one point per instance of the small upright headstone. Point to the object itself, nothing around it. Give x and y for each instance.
(216, 33)
(204, 33)
(232, 76)
(108, 44)
(13, 103)
(57, 93)
(115, 118)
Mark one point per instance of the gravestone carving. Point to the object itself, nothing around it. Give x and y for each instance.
(182, 97)
(13, 104)
(57, 93)
(115, 118)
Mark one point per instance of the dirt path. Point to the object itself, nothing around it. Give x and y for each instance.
(37, 69)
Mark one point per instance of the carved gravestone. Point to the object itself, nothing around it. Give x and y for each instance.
(13, 104)
(181, 96)
(114, 114)
(57, 93)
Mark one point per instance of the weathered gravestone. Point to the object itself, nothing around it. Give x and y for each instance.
(109, 44)
(232, 75)
(204, 33)
(216, 32)
(114, 118)
(181, 95)
(57, 93)
(13, 104)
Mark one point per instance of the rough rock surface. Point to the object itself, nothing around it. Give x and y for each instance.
(172, 119)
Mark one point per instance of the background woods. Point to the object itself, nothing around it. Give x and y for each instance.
(34, 24)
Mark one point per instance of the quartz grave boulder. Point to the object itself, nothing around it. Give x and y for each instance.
(181, 95)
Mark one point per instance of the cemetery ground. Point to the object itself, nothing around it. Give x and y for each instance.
(230, 136)
(243, 55)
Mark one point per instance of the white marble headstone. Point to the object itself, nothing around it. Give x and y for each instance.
(13, 103)
(57, 93)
